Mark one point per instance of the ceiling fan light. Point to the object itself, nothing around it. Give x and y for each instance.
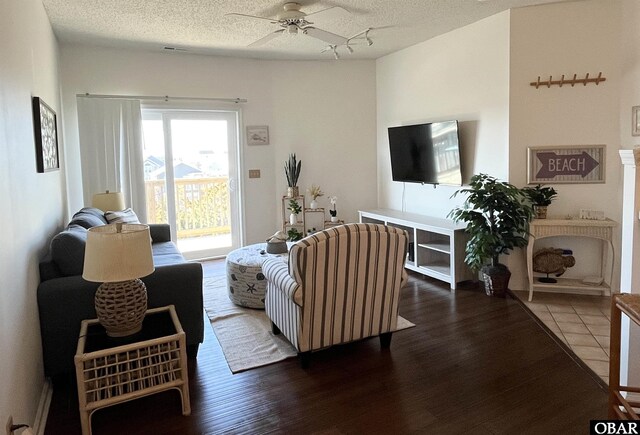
(292, 29)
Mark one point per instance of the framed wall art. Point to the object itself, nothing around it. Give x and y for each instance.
(635, 121)
(258, 135)
(571, 164)
(46, 136)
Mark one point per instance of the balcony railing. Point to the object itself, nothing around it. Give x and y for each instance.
(202, 205)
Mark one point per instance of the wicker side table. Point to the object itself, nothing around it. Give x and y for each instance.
(115, 370)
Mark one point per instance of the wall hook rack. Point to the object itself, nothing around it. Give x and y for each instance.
(571, 81)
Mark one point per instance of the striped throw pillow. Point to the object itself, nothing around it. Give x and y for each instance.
(126, 216)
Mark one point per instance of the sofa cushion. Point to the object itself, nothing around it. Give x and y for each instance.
(67, 250)
(127, 216)
(166, 253)
(88, 217)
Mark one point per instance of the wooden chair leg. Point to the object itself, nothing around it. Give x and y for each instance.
(305, 359)
(275, 329)
(385, 340)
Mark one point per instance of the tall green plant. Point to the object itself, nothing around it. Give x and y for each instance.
(292, 170)
(497, 215)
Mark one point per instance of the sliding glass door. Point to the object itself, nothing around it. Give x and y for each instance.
(191, 175)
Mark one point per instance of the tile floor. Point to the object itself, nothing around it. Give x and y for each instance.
(581, 322)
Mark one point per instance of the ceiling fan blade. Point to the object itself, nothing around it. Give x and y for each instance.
(267, 38)
(325, 36)
(271, 20)
(332, 13)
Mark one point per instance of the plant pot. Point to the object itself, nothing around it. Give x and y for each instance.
(540, 211)
(334, 218)
(496, 280)
(293, 191)
(293, 218)
(313, 204)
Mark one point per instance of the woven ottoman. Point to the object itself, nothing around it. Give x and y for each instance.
(246, 283)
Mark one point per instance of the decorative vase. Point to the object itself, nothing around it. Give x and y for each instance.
(540, 211)
(313, 204)
(293, 218)
(334, 218)
(293, 191)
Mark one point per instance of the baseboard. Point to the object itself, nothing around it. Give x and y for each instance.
(43, 408)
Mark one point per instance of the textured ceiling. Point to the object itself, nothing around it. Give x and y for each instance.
(200, 26)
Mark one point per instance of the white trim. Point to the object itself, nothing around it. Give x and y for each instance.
(43, 408)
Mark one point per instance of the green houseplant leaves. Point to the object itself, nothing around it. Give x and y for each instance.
(497, 215)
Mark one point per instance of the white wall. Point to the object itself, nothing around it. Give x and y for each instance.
(33, 206)
(630, 70)
(567, 38)
(461, 75)
(480, 75)
(322, 111)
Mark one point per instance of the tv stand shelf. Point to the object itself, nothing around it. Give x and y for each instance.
(436, 246)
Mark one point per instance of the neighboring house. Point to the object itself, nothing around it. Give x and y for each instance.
(151, 164)
(180, 170)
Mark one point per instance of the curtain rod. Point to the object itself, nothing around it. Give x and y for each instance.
(162, 97)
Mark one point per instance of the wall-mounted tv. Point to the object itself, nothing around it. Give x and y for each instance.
(426, 153)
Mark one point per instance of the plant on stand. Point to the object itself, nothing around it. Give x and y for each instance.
(315, 193)
(540, 198)
(333, 212)
(293, 235)
(497, 215)
(295, 209)
(292, 172)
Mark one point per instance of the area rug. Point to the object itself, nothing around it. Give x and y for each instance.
(245, 334)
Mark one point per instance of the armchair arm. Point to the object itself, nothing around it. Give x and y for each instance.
(277, 273)
(160, 232)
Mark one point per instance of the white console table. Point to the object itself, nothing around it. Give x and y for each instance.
(437, 246)
(601, 230)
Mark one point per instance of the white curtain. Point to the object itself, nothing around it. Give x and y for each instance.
(111, 150)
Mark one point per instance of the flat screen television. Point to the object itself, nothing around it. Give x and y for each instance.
(426, 153)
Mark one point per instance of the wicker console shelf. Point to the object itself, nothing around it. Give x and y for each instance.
(115, 370)
(621, 408)
(600, 230)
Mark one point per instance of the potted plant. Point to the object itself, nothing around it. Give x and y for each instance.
(295, 210)
(292, 172)
(540, 198)
(333, 212)
(294, 235)
(497, 215)
(315, 193)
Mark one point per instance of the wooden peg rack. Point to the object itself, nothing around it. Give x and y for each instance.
(572, 82)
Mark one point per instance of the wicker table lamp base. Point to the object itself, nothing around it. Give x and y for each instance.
(121, 306)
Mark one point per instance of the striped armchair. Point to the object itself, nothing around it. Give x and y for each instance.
(341, 285)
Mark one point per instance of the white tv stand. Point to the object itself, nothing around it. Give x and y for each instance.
(438, 244)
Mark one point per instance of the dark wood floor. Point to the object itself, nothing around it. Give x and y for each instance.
(473, 364)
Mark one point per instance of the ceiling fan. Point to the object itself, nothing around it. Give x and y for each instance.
(293, 21)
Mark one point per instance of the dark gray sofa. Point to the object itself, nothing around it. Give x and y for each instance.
(65, 299)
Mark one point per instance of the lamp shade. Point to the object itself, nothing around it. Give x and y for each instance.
(117, 252)
(108, 201)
